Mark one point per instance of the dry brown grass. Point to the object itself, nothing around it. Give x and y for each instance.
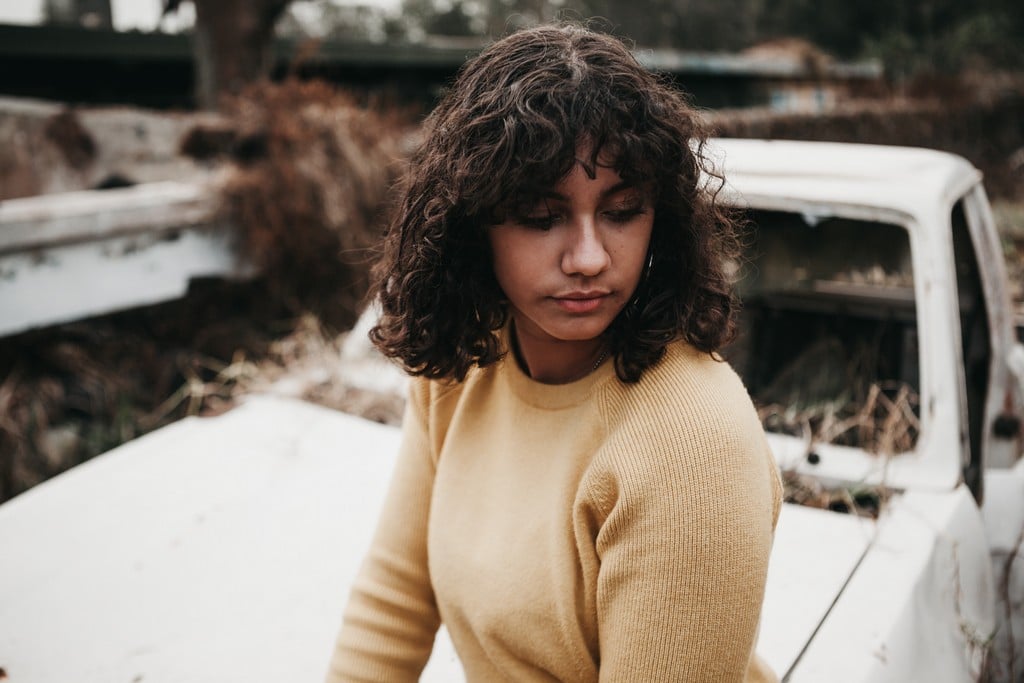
(863, 501)
(308, 364)
(884, 423)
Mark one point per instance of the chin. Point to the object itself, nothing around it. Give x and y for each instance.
(582, 330)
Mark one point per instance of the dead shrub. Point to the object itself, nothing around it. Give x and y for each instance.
(207, 142)
(72, 139)
(309, 190)
(308, 193)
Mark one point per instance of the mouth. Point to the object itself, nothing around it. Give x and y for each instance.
(580, 302)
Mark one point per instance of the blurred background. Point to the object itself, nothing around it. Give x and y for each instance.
(191, 192)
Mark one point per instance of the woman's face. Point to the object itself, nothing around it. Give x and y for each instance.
(570, 263)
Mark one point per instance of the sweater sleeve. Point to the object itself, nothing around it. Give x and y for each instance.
(391, 617)
(688, 516)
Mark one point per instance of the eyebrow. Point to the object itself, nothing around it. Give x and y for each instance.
(617, 187)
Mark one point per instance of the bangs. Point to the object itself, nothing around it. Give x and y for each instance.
(521, 118)
(524, 185)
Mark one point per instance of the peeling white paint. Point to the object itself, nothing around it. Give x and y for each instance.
(78, 254)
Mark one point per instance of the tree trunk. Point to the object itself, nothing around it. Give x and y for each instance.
(232, 45)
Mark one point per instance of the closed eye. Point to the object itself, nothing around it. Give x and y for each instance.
(626, 214)
(539, 222)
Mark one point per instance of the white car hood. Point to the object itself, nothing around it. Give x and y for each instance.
(814, 555)
(178, 555)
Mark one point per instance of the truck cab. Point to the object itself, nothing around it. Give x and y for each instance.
(877, 340)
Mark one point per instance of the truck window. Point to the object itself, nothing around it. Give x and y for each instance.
(827, 344)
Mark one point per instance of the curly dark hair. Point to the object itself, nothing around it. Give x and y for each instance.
(508, 130)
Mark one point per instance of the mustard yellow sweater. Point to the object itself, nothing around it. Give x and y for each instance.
(592, 531)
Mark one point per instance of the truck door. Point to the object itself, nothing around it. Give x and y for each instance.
(993, 400)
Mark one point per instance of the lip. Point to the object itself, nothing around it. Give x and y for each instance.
(581, 302)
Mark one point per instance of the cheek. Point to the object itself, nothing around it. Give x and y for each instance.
(501, 275)
(514, 276)
(509, 263)
(634, 252)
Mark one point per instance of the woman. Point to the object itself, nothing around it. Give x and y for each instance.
(583, 491)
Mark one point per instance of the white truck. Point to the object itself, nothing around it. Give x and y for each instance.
(877, 338)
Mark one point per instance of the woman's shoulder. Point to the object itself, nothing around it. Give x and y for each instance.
(685, 384)
(682, 359)
(690, 403)
(436, 400)
(429, 396)
(686, 428)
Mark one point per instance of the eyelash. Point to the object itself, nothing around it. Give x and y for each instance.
(547, 221)
(626, 214)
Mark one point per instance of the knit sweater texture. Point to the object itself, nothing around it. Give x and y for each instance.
(591, 531)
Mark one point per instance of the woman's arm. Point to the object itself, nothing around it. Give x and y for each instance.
(689, 508)
(391, 617)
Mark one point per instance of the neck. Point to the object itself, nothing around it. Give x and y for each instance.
(557, 362)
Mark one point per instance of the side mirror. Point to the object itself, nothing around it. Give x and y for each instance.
(1006, 426)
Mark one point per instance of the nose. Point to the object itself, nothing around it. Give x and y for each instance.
(585, 253)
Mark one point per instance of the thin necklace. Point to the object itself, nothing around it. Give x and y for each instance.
(518, 355)
(593, 368)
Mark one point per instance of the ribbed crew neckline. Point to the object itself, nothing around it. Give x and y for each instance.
(552, 396)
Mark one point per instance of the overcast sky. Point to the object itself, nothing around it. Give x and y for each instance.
(141, 15)
(128, 14)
